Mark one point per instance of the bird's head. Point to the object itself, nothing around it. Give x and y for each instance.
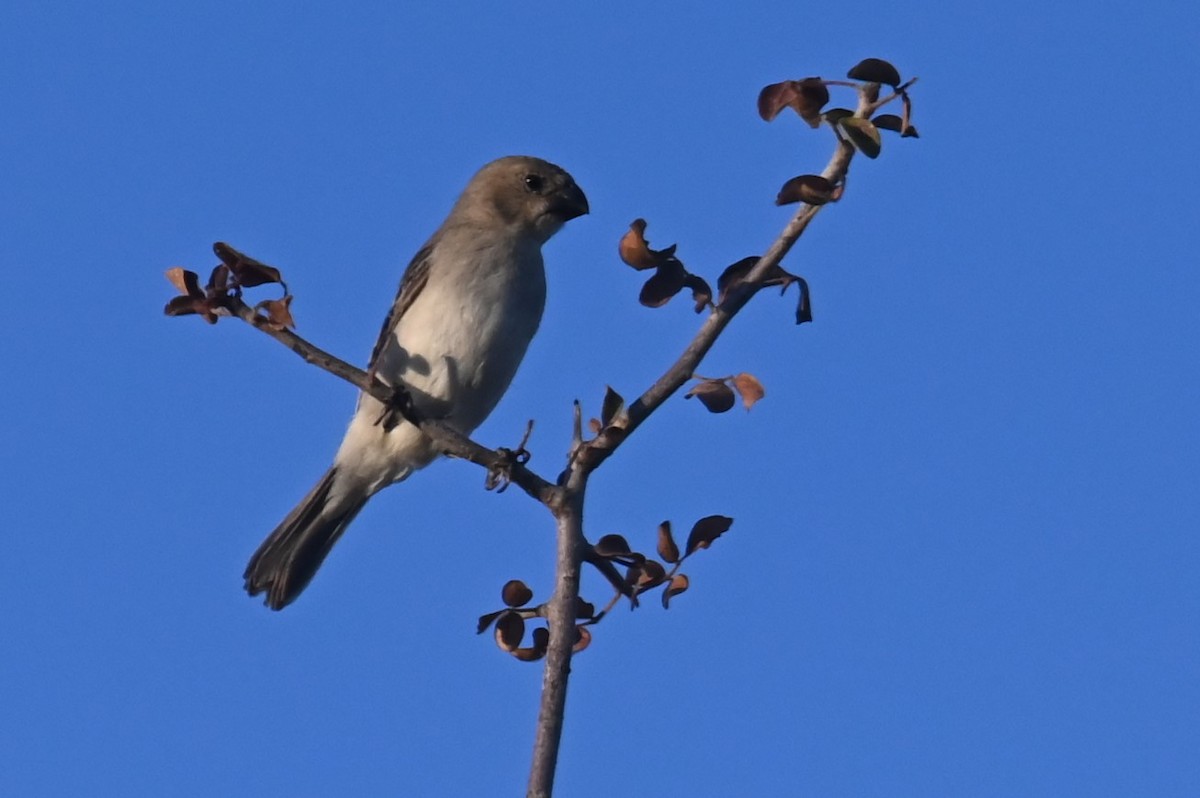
(524, 191)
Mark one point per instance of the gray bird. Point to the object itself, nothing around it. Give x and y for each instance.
(468, 305)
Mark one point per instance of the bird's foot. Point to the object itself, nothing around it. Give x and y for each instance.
(499, 475)
(399, 408)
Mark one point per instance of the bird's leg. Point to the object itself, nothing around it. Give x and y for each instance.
(399, 407)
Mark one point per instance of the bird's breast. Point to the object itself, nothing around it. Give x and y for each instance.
(461, 341)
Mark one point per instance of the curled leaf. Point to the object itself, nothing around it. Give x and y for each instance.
(875, 70)
(895, 124)
(679, 583)
(907, 130)
(806, 97)
(612, 546)
(635, 249)
(834, 115)
(667, 548)
(667, 281)
(813, 189)
(583, 639)
(707, 530)
(650, 575)
(804, 308)
(189, 305)
(612, 405)
(584, 610)
(510, 628)
(715, 395)
(186, 282)
(515, 593)
(218, 280)
(669, 278)
(486, 620)
(701, 292)
(749, 388)
(279, 312)
(736, 273)
(541, 639)
(247, 271)
(862, 134)
(888, 122)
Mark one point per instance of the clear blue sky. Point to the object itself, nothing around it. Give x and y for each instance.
(965, 553)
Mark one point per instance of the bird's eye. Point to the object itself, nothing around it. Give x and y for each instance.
(533, 183)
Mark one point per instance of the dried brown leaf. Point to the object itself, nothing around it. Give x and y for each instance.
(707, 530)
(651, 575)
(612, 546)
(888, 122)
(715, 395)
(510, 628)
(540, 637)
(749, 388)
(185, 281)
(247, 271)
(907, 130)
(632, 574)
(734, 274)
(583, 639)
(515, 593)
(679, 583)
(875, 70)
(668, 280)
(667, 548)
(804, 308)
(279, 312)
(834, 115)
(773, 99)
(635, 249)
(612, 405)
(190, 305)
(862, 134)
(805, 97)
(486, 620)
(540, 640)
(701, 291)
(218, 281)
(813, 189)
(584, 610)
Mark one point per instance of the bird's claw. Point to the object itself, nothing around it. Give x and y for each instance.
(499, 475)
(398, 408)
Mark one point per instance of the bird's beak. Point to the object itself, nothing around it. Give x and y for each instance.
(570, 203)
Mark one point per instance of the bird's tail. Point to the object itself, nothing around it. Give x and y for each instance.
(289, 558)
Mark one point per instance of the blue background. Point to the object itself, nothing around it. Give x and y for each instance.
(964, 560)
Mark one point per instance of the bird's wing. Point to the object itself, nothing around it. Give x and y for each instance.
(414, 279)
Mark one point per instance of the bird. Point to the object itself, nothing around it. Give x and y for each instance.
(468, 305)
